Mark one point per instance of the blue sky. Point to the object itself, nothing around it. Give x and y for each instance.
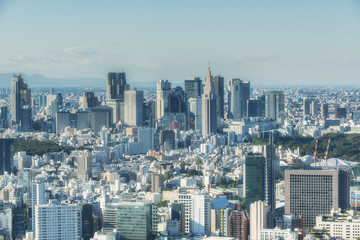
(265, 42)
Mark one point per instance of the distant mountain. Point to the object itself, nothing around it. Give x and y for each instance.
(37, 80)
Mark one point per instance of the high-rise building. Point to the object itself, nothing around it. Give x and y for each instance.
(4, 122)
(340, 112)
(148, 113)
(133, 110)
(238, 224)
(306, 106)
(315, 192)
(89, 100)
(274, 105)
(85, 165)
(324, 110)
(38, 197)
(56, 221)
(193, 87)
(87, 221)
(195, 112)
(177, 101)
(167, 140)
(253, 108)
(100, 116)
(157, 182)
(259, 177)
(258, 219)
(116, 85)
(6, 156)
(314, 107)
(219, 93)
(209, 107)
(133, 220)
(239, 94)
(20, 104)
(163, 89)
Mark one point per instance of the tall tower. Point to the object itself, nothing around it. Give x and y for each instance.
(274, 106)
(219, 92)
(324, 110)
(116, 85)
(20, 103)
(163, 90)
(193, 87)
(133, 110)
(209, 114)
(239, 94)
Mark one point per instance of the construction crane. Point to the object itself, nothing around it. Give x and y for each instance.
(316, 144)
(327, 150)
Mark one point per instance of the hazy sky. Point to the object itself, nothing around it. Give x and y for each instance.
(265, 42)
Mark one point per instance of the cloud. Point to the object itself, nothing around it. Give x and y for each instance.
(108, 44)
(80, 50)
(152, 64)
(259, 56)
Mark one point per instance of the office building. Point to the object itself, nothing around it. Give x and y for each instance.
(87, 221)
(4, 122)
(116, 85)
(274, 106)
(167, 140)
(306, 106)
(56, 221)
(89, 100)
(253, 108)
(259, 177)
(311, 193)
(133, 107)
(79, 120)
(177, 101)
(118, 110)
(258, 219)
(195, 112)
(324, 110)
(149, 114)
(279, 234)
(340, 112)
(239, 94)
(209, 110)
(20, 104)
(84, 165)
(6, 156)
(100, 116)
(314, 108)
(193, 87)
(163, 89)
(218, 82)
(157, 182)
(133, 220)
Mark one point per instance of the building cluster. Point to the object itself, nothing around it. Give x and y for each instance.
(173, 163)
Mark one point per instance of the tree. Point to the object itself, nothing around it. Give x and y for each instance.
(199, 162)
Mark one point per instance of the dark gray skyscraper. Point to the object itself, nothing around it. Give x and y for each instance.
(116, 85)
(193, 87)
(239, 94)
(219, 92)
(20, 103)
(89, 100)
(274, 105)
(209, 104)
(6, 154)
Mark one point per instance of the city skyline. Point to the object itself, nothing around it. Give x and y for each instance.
(310, 43)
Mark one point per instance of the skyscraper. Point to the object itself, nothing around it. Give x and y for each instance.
(306, 106)
(324, 110)
(258, 219)
(209, 114)
(315, 192)
(239, 94)
(89, 100)
(116, 85)
(274, 106)
(157, 182)
(238, 224)
(219, 93)
(193, 87)
(133, 111)
(259, 177)
(6, 156)
(20, 104)
(163, 89)
(38, 197)
(195, 111)
(85, 165)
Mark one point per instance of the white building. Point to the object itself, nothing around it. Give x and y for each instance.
(38, 197)
(340, 225)
(55, 221)
(163, 89)
(279, 234)
(195, 106)
(258, 215)
(6, 219)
